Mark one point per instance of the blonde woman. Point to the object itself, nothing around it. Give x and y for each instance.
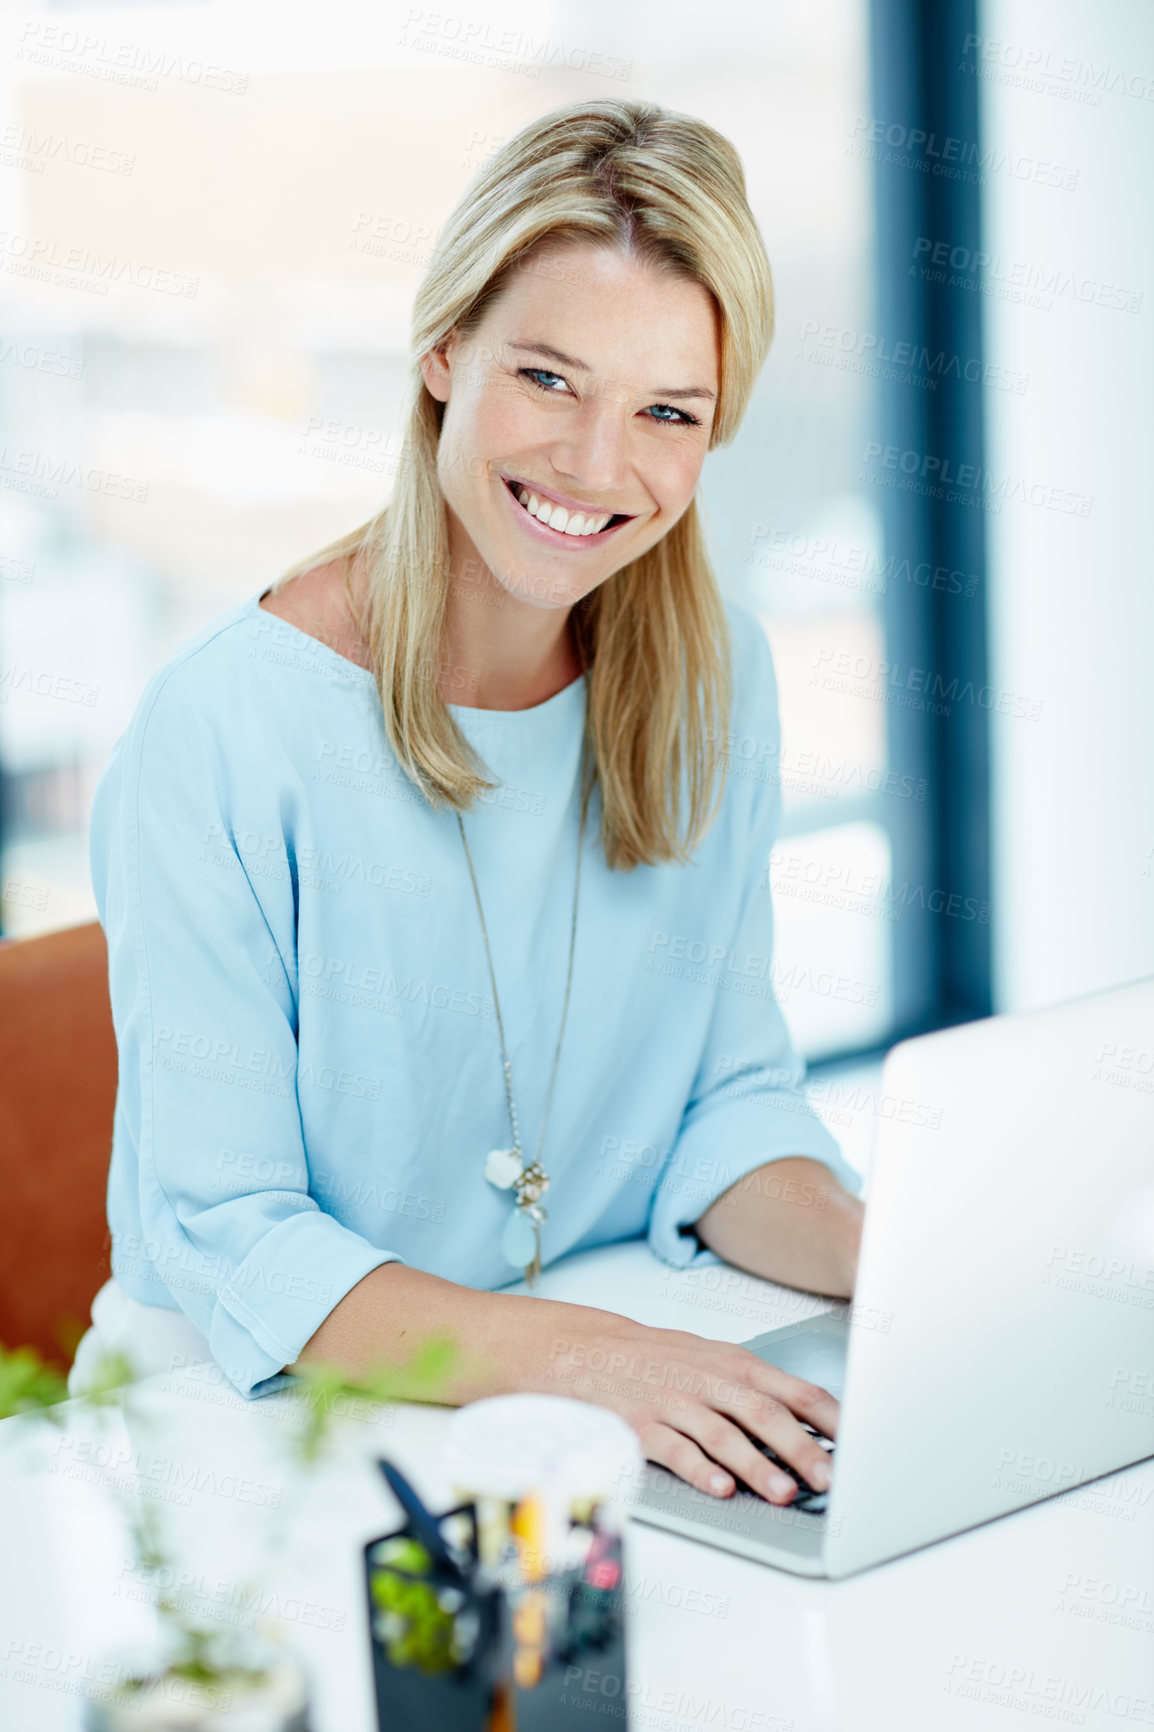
(439, 936)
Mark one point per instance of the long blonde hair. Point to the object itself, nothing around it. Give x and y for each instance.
(670, 191)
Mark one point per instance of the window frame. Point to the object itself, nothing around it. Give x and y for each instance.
(942, 961)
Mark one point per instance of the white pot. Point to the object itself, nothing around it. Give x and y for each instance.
(274, 1700)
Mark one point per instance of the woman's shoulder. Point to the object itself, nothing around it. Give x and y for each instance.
(244, 666)
(316, 603)
(754, 700)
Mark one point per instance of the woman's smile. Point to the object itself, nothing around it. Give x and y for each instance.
(557, 522)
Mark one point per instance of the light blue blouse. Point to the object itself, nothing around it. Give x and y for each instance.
(310, 1074)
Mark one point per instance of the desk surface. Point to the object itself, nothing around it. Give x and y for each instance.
(1047, 1614)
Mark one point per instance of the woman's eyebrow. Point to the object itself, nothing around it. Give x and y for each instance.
(583, 367)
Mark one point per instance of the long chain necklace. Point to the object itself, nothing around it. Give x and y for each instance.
(506, 1168)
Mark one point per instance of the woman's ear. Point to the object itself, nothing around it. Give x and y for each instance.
(435, 370)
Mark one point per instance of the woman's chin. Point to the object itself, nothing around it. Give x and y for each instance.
(534, 590)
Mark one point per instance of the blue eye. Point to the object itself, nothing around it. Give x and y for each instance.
(684, 418)
(539, 373)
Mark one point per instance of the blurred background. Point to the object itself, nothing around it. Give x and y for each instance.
(213, 218)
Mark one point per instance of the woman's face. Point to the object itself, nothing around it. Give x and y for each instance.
(586, 394)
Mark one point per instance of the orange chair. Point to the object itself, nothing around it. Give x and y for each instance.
(58, 1071)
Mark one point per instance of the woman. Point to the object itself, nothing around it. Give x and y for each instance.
(439, 937)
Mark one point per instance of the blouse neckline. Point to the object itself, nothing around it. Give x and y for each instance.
(318, 646)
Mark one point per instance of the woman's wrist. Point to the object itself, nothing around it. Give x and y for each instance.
(504, 1343)
(788, 1221)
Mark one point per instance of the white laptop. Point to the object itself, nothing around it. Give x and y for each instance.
(1000, 1345)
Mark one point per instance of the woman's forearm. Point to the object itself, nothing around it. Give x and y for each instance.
(504, 1341)
(789, 1221)
(694, 1404)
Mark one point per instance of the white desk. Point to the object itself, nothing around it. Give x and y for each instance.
(1059, 1597)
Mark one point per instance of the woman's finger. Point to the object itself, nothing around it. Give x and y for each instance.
(809, 1401)
(768, 1418)
(724, 1361)
(731, 1448)
(670, 1448)
(771, 1412)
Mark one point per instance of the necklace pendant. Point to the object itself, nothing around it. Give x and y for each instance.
(503, 1167)
(534, 1268)
(537, 1215)
(519, 1239)
(532, 1183)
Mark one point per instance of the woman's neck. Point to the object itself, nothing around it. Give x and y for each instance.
(499, 653)
(504, 654)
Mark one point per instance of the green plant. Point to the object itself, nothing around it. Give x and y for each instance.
(322, 1394)
(27, 1383)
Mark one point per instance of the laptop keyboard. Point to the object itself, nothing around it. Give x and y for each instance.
(805, 1498)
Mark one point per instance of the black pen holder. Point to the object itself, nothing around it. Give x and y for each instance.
(445, 1645)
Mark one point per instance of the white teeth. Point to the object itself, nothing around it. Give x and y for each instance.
(557, 517)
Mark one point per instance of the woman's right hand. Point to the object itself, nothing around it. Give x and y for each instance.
(691, 1401)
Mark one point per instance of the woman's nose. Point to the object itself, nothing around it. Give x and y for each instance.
(593, 454)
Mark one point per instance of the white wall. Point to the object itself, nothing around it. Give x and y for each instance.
(1072, 596)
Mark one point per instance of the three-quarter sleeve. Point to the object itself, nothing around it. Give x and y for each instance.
(745, 1108)
(202, 975)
